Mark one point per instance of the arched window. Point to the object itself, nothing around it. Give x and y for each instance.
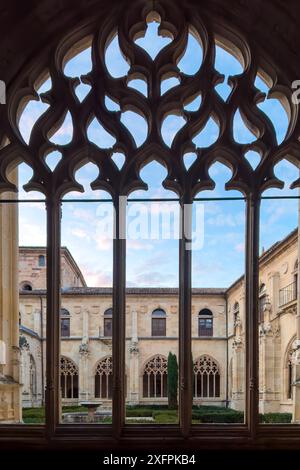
(27, 286)
(206, 378)
(107, 324)
(295, 285)
(103, 378)
(32, 373)
(262, 301)
(289, 382)
(68, 378)
(205, 322)
(155, 378)
(64, 322)
(158, 322)
(42, 261)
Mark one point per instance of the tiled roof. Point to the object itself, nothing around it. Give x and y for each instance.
(24, 329)
(129, 291)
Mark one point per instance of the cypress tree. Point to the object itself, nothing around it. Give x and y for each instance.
(172, 381)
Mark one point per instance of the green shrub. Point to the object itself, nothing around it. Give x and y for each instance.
(172, 382)
(148, 407)
(275, 418)
(165, 417)
(74, 409)
(33, 415)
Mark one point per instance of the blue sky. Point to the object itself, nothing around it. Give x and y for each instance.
(151, 262)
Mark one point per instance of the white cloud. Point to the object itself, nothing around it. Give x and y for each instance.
(31, 234)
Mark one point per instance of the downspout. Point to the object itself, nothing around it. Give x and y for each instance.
(42, 349)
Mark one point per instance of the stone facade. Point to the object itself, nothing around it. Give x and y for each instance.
(10, 398)
(32, 269)
(222, 350)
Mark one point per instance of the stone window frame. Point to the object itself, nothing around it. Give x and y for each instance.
(103, 369)
(204, 317)
(65, 323)
(26, 286)
(155, 367)
(160, 315)
(209, 371)
(107, 319)
(288, 371)
(69, 378)
(42, 261)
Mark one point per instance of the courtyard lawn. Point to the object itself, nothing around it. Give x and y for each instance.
(162, 415)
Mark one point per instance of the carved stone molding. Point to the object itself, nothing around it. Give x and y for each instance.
(133, 348)
(84, 349)
(237, 343)
(176, 22)
(269, 329)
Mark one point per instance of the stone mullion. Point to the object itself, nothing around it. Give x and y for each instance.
(185, 343)
(251, 311)
(119, 319)
(53, 206)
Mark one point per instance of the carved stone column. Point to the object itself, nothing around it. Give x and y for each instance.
(269, 365)
(84, 371)
(238, 366)
(10, 390)
(25, 372)
(133, 361)
(296, 345)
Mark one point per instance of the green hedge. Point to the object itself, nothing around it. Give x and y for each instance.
(275, 418)
(148, 407)
(225, 415)
(33, 415)
(141, 413)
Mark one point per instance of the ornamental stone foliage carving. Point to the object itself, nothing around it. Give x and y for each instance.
(237, 321)
(237, 343)
(178, 24)
(23, 343)
(269, 329)
(291, 309)
(133, 348)
(84, 349)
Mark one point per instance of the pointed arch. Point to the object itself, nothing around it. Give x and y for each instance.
(103, 378)
(206, 377)
(288, 370)
(68, 378)
(155, 375)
